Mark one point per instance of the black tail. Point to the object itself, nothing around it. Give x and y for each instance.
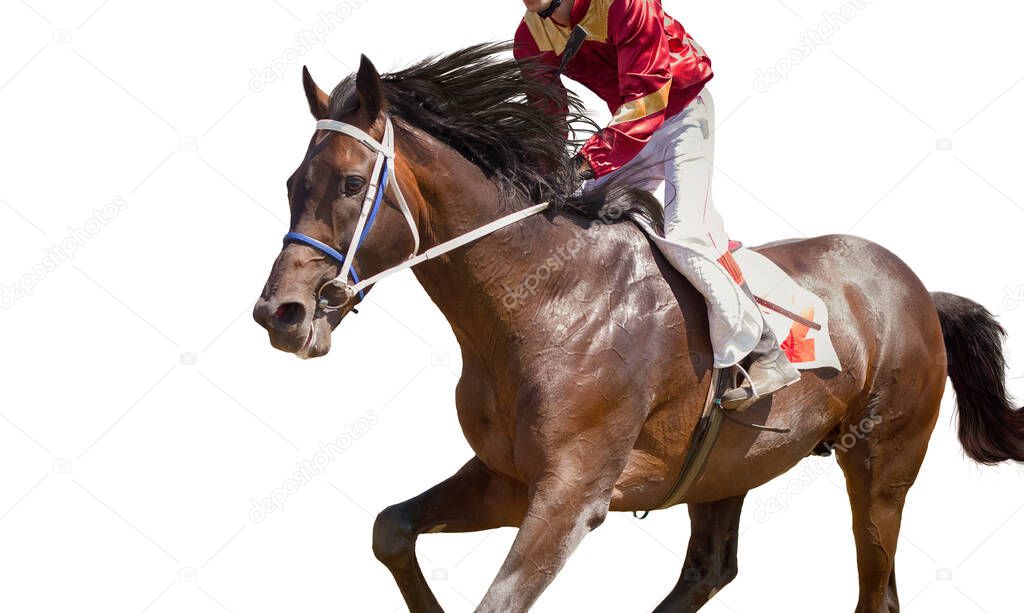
(991, 428)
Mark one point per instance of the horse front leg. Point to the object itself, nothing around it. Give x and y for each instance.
(473, 499)
(570, 499)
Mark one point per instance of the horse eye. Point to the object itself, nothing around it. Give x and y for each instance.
(353, 185)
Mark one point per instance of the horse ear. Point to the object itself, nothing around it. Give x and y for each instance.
(318, 100)
(371, 89)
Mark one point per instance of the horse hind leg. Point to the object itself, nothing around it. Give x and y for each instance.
(710, 558)
(881, 456)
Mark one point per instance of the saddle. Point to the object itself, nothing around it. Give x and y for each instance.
(797, 316)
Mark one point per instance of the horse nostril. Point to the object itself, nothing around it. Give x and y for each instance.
(290, 314)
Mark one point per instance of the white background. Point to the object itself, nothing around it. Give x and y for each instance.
(143, 410)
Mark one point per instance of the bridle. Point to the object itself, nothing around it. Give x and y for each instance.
(338, 293)
(382, 176)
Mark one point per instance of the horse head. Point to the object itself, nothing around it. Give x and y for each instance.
(344, 180)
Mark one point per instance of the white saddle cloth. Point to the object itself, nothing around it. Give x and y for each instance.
(806, 348)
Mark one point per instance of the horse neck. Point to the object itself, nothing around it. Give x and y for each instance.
(470, 284)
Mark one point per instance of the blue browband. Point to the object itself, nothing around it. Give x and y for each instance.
(298, 237)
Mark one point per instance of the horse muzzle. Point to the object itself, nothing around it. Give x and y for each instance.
(299, 328)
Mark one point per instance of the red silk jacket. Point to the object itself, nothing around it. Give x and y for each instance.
(637, 58)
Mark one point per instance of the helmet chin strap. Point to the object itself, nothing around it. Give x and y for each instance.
(548, 12)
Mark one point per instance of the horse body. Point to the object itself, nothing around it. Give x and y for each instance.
(635, 339)
(579, 396)
(633, 367)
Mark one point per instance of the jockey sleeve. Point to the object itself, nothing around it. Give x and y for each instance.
(639, 60)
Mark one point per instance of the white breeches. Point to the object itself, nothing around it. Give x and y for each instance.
(677, 166)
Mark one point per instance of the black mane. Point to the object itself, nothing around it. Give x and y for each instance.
(491, 108)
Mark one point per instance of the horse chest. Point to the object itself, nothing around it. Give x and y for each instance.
(488, 427)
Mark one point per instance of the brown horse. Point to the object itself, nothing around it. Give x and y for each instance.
(586, 356)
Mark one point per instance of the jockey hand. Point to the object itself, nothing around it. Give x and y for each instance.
(583, 174)
(583, 170)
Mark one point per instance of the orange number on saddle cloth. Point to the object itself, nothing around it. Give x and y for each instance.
(800, 349)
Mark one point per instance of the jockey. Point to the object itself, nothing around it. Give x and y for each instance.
(652, 75)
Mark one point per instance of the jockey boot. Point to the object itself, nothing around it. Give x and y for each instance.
(769, 372)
